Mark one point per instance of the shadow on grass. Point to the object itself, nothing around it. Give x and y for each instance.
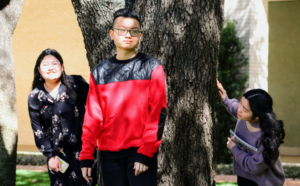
(27, 177)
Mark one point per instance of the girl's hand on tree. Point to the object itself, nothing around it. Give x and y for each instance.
(139, 168)
(230, 143)
(54, 164)
(222, 91)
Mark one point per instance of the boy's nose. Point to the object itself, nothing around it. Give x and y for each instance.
(128, 34)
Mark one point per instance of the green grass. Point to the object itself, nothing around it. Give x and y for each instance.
(27, 177)
(226, 184)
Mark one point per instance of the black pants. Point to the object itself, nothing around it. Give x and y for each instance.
(120, 172)
(245, 182)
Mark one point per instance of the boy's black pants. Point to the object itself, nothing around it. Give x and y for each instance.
(120, 172)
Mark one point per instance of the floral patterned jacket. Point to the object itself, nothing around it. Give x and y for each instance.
(57, 122)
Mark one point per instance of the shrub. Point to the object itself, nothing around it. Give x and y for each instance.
(292, 171)
(31, 159)
(226, 169)
(289, 171)
(231, 61)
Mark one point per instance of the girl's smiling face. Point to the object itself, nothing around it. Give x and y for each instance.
(244, 112)
(50, 69)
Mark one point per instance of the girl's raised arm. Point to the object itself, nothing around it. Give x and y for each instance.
(222, 91)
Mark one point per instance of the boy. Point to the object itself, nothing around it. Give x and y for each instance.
(125, 110)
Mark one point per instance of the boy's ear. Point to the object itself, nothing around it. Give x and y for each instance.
(140, 38)
(111, 34)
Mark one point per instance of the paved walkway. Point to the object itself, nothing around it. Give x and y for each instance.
(33, 168)
(219, 178)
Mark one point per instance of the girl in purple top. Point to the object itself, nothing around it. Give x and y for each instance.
(256, 125)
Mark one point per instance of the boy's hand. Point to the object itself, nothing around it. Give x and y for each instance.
(230, 143)
(222, 91)
(87, 173)
(54, 164)
(139, 168)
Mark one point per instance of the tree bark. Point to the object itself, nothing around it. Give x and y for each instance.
(9, 15)
(184, 35)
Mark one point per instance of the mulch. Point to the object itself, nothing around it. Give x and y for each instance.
(218, 178)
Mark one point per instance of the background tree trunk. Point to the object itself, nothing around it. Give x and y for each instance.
(9, 14)
(184, 35)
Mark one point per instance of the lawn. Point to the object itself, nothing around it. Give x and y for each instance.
(226, 184)
(28, 178)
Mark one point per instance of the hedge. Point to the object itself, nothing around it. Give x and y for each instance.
(31, 159)
(289, 171)
(226, 169)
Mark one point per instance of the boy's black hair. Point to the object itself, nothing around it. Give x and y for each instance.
(126, 12)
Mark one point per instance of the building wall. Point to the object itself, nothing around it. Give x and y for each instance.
(284, 65)
(44, 24)
(266, 4)
(252, 29)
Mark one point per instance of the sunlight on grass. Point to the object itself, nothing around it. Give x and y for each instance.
(28, 178)
(226, 184)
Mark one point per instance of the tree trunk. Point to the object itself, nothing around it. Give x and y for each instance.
(184, 35)
(9, 15)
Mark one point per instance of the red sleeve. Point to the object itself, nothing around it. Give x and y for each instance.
(156, 120)
(92, 124)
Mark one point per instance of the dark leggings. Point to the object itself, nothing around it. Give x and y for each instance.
(245, 182)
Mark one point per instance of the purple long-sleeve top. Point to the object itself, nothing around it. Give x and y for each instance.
(252, 167)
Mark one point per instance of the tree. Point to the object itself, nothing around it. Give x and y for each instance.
(232, 60)
(184, 36)
(9, 14)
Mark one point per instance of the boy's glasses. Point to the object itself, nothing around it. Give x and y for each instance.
(123, 32)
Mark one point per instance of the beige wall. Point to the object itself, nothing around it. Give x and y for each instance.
(44, 24)
(266, 4)
(284, 69)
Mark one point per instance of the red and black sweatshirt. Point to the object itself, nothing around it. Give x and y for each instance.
(125, 110)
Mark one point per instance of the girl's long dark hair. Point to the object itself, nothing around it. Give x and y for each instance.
(36, 80)
(261, 104)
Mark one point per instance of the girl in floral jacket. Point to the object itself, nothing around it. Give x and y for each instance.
(56, 107)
